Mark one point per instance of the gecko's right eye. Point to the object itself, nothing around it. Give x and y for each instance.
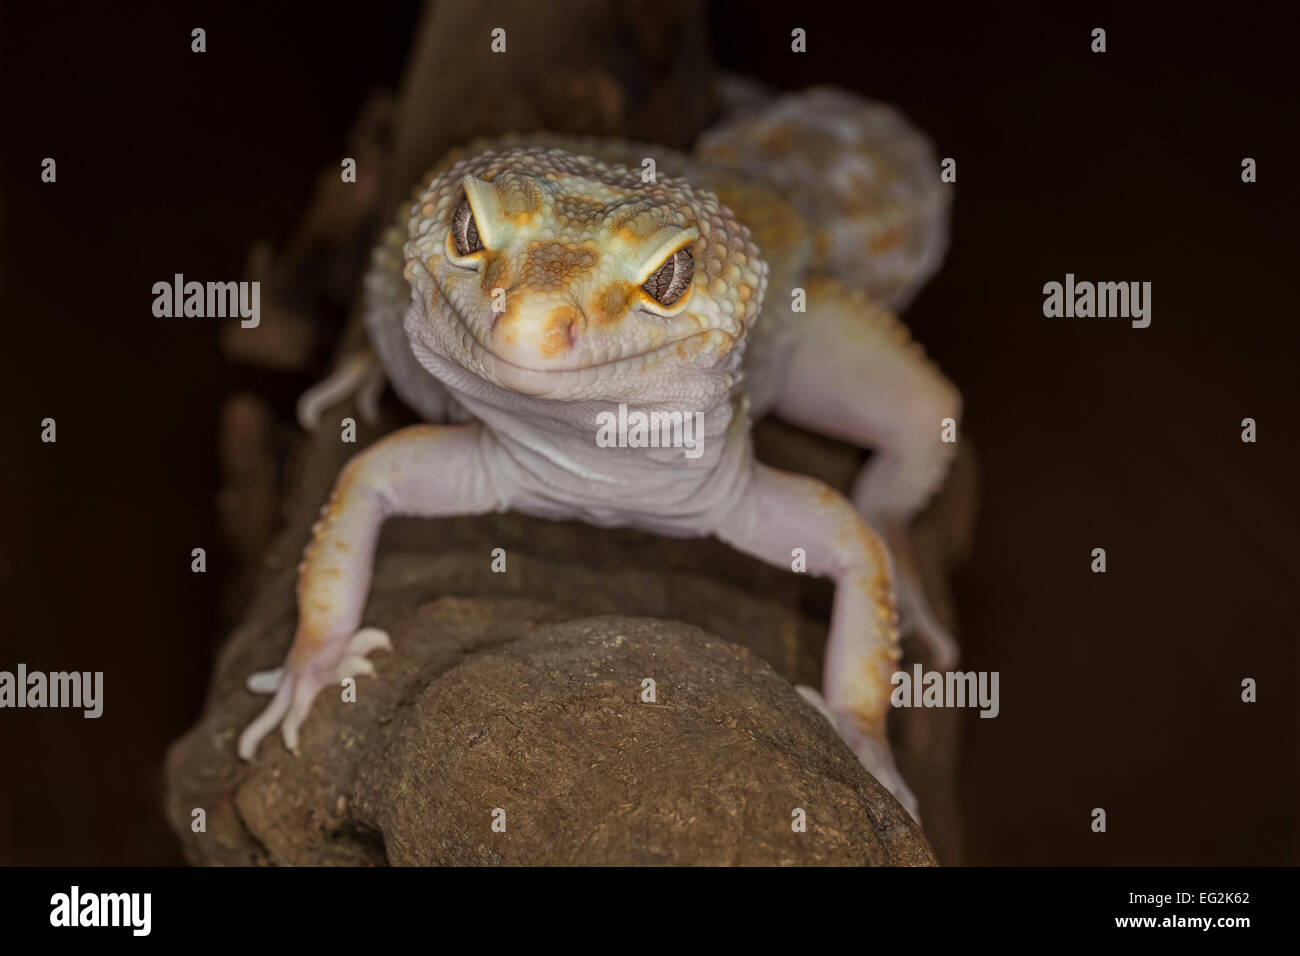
(464, 230)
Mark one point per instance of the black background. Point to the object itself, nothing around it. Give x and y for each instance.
(1118, 690)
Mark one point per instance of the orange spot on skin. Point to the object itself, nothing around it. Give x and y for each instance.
(521, 199)
(825, 497)
(560, 331)
(612, 303)
(887, 240)
(629, 234)
(873, 725)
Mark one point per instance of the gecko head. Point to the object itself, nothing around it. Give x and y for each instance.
(556, 275)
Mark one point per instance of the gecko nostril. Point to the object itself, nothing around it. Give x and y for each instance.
(577, 322)
(558, 331)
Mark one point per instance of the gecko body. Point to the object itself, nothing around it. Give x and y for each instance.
(536, 283)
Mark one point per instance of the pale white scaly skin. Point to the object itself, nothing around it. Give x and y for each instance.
(571, 230)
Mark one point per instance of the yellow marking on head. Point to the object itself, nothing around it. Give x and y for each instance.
(520, 198)
(612, 303)
(638, 221)
(628, 234)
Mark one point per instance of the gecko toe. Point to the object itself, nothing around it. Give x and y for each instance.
(266, 720)
(265, 682)
(366, 640)
(304, 693)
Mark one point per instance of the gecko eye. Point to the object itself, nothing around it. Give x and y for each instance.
(672, 279)
(464, 230)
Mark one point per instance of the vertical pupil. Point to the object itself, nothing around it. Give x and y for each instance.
(465, 229)
(668, 284)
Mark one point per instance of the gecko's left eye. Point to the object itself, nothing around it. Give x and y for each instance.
(672, 279)
(464, 230)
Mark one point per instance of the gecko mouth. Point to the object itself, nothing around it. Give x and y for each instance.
(542, 382)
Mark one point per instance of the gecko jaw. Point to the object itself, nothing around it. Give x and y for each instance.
(706, 347)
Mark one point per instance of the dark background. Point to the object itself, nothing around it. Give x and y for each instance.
(1119, 690)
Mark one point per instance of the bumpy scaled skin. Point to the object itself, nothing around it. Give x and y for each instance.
(527, 323)
(862, 177)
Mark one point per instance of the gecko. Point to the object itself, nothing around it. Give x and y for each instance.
(534, 282)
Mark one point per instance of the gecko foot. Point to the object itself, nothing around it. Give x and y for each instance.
(873, 754)
(294, 689)
(360, 375)
(916, 617)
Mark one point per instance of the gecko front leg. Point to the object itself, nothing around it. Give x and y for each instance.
(424, 470)
(780, 512)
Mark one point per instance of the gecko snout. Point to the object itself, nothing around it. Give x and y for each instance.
(540, 333)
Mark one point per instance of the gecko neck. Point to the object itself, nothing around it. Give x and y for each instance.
(665, 443)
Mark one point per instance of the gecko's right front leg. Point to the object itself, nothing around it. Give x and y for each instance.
(425, 470)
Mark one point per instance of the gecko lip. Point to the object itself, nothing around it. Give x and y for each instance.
(542, 382)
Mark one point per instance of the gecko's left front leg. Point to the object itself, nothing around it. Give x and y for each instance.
(780, 512)
(424, 470)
